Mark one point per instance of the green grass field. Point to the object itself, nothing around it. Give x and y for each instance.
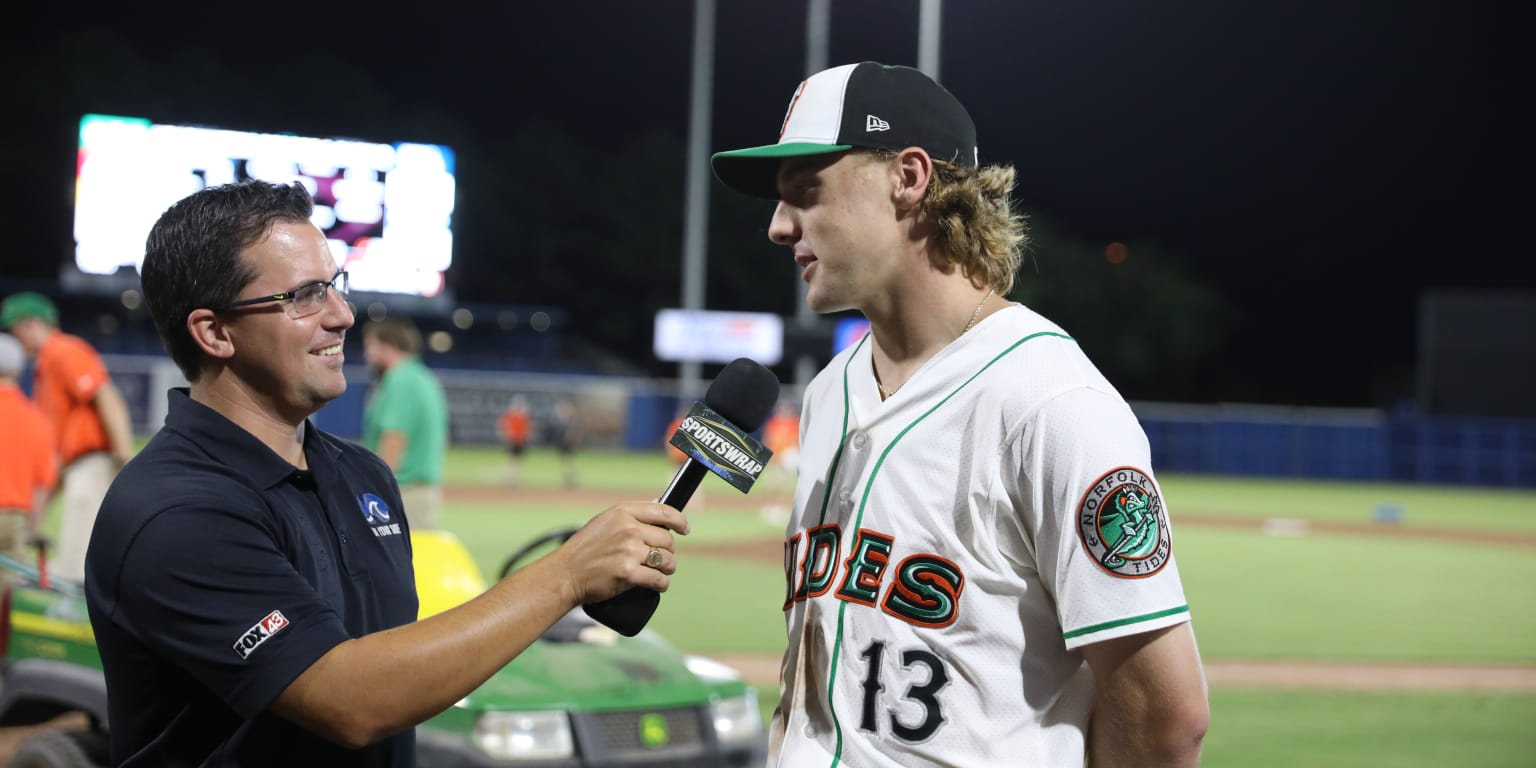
(1415, 591)
(1329, 729)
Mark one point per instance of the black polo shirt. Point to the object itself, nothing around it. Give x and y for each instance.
(217, 573)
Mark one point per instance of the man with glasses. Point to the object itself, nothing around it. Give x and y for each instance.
(249, 579)
(303, 301)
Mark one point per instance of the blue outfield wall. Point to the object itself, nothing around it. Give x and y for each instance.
(1339, 444)
(1251, 440)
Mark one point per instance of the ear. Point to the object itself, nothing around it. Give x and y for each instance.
(914, 170)
(211, 333)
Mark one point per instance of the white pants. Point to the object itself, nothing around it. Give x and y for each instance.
(83, 485)
(423, 505)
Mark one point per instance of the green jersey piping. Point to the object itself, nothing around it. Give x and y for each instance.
(1124, 622)
(837, 645)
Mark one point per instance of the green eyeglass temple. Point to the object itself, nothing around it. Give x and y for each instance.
(338, 283)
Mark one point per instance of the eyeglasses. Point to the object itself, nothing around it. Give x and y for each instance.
(303, 301)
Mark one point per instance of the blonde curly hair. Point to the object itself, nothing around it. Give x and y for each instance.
(975, 223)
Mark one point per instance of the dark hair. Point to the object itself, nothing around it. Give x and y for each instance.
(192, 258)
(398, 332)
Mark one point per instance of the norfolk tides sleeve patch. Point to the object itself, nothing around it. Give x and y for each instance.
(1123, 525)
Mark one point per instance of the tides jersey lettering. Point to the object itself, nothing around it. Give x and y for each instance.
(952, 546)
(923, 589)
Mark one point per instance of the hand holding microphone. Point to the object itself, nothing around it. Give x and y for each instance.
(716, 436)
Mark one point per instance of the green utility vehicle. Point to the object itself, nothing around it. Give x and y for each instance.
(581, 696)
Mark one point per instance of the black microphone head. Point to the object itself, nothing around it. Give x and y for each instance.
(744, 393)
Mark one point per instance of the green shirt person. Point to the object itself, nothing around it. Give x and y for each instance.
(406, 419)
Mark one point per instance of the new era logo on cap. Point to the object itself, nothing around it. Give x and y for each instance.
(866, 105)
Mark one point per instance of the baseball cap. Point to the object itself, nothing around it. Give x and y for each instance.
(20, 306)
(868, 105)
(12, 357)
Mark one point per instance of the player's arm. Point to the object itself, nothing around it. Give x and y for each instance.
(114, 419)
(45, 475)
(40, 498)
(410, 673)
(392, 448)
(1149, 706)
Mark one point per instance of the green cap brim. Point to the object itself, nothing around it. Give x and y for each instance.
(755, 170)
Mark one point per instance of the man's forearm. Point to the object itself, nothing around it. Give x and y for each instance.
(113, 410)
(392, 450)
(40, 498)
(1149, 706)
(461, 648)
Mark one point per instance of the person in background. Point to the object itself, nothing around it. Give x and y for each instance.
(565, 436)
(986, 573)
(781, 434)
(405, 420)
(515, 426)
(29, 466)
(249, 579)
(674, 453)
(90, 420)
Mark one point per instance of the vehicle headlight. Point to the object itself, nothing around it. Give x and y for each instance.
(710, 671)
(737, 719)
(524, 735)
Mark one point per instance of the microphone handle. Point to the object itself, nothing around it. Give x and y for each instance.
(684, 483)
(627, 612)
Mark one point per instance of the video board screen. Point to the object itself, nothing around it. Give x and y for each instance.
(386, 209)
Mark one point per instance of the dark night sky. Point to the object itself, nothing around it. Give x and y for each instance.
(1324, 163)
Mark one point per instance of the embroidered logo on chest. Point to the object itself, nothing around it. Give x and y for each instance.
(376, 513)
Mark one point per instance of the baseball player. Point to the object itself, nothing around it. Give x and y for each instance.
(979, 566)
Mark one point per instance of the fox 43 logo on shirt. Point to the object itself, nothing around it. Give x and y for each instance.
(260, 633)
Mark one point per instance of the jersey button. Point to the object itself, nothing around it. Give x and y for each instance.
(859, 440)
(810, 731)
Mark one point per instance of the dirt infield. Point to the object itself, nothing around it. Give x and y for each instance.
(763, 669)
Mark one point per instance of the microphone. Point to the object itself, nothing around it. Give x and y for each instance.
(716, 437)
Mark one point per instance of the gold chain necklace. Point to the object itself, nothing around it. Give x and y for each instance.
(977, 313)
(885, 394)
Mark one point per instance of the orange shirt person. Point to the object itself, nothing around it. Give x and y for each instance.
(29, 468)
(72, 388)
(782, 436)
(516, 427)
(782, 433)
(673, 452)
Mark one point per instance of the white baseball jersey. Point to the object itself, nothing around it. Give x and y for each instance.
(952, 547)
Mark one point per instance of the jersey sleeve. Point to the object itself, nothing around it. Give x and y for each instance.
(80, 371)
(1102, 535)
(218, 597)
